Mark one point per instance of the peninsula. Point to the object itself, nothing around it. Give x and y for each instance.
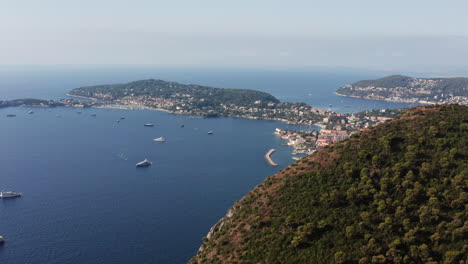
(30, 102)
(398, 88)
(192, 99)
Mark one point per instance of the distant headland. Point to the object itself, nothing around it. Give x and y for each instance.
(398, 88)
(200, 100)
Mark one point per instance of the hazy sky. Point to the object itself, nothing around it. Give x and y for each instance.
(383, 34)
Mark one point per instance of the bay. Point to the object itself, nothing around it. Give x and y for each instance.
(84, 199)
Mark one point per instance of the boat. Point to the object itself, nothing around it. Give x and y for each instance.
(9, 194)
(2, 240)
(160, 139)
(78, 112)
(93, 114)
(122, 118)
(144, 163)
(149, 125)
(210, 132)
(118, 121)
(10, 115)
(182, 125)
(30, 112)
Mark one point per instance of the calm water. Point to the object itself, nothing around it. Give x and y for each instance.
(85, 202)
(313, 88)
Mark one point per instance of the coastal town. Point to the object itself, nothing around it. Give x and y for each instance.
(335, 127)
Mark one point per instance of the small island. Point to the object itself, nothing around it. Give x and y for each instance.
(398, 88)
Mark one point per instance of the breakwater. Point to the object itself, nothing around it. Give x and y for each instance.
(268, 157)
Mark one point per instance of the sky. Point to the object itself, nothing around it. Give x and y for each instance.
(374, 34)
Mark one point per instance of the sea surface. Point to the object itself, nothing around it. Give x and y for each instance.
(86, 202)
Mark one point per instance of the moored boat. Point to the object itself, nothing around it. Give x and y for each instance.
(149, 125)
(160, 139)
(10, 115)
(9, 194)
(144, 163)
(210, 132)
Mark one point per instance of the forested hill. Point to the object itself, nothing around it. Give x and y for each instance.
(395, 193)
(173, 90)
(407, 89)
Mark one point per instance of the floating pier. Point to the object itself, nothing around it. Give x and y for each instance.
(268, 158)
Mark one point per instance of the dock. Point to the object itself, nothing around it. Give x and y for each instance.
(268, 158)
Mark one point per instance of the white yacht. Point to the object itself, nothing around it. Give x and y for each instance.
(160, 139)
(9, 194)
(144, 163)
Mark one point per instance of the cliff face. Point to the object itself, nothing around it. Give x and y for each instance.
(396, 193)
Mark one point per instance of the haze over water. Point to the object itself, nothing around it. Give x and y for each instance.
(84, 200)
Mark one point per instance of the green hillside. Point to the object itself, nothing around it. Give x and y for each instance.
(395, 193)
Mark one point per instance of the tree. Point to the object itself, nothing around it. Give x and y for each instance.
(340, 257)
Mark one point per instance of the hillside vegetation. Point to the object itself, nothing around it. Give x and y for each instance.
(395, 193)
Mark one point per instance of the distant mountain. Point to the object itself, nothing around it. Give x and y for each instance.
(209, 96)
(407, 89)
(395, 193)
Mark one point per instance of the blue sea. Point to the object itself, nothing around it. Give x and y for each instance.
(86, 202)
